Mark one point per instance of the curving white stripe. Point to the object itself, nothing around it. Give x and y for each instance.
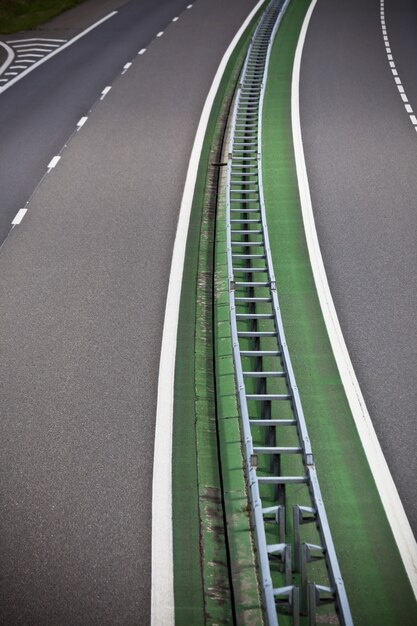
(10, 57)
(162, 586)
(392, 504)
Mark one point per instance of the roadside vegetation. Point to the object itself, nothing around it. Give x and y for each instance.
(18, 15)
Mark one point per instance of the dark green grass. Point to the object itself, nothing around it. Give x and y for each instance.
(18, 15)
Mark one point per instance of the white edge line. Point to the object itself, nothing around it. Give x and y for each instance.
(162, 584)
(10, 57)
(19, 216)
(393, 506)
(54, 52)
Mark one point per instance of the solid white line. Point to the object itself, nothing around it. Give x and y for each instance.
(53, 162)
(10, 57)
(55, 52)
(45, 46)
(162, 584)
(31, 54)
(19, 216)
(387, 490)
(35, 39)
(142, 51)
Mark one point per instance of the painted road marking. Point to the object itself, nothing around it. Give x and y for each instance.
(81, 122)
(413, 119)
(10, 56)
(53, 162)
(105, 92)
(161, 32)
(394, 71)
(387, 490)
(175, 19)
(162, 582)
(36, 39)
(190, 6)
(55, 51)
(142, 51)
(19, 216)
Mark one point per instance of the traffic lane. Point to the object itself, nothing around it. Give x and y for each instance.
(39, 113)
(82, 297)
(400, 21)
(360, 151)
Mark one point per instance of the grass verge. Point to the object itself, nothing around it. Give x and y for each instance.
(378, 588)
(18, 15)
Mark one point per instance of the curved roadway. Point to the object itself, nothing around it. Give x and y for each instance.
(82, 293)
(361, 155)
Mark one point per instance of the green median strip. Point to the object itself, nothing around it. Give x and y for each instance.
(378, 588)
(215, 577)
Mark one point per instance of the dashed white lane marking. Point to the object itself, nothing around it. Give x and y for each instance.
(385, 484)
(142, 51)
(394, 71)
(81, 122)
(190, 6)
(126, 67)
(161, 32)
(19, 216)
(175, 19)
(104, 92)
(53, 162)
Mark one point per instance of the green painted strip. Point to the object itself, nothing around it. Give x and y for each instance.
(375, 579)
(202, 593)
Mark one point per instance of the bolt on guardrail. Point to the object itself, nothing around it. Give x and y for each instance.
(298, 565)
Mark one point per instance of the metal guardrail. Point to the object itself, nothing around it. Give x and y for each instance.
(279, 459)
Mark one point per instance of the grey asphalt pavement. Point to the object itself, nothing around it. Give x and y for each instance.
(40, 112)
(83, 282)
(361, 156)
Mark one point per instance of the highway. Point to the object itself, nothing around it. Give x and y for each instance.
(83, 283)
(40, 112)
(360, 145)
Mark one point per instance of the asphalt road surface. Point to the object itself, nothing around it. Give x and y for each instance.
(361, 155)
(83, 282)
(39, 113)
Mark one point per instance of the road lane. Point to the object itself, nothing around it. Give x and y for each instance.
(82, 294)
(361, 150)
(39, 113)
